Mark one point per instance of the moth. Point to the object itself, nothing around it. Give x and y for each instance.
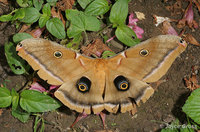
(113, 84)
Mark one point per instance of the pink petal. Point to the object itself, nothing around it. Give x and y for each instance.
(133, 25)
(132, 20)
(53, 87)
(36, 86)
(138, 31)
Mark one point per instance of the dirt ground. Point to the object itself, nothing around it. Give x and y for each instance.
(163, 107)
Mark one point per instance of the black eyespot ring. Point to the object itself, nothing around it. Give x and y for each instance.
(144, 52)
(57, 54)
(83, 85)
(121, 83)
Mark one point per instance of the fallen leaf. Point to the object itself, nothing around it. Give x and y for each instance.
(36, 33)
(65, 4)
(176, 8)
(57, 14)
(4, 1)
(1, 112)
(189, 38)
(188, 18)
(159, 19)
(24, 28)
(140, 15)
(95, 49)
(168, 29)
(191, 81)
(197, 4)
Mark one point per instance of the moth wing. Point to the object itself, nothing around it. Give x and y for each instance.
(158, 55)
(40, 54)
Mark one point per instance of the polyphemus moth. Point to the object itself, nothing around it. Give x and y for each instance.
(92, 85)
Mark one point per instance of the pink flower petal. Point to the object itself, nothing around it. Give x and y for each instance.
(53, 87)
(133, 25)
(36, 86)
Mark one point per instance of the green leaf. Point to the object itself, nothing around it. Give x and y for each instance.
(21, 36)
(24, 3)
(17, 65)
(107, 54)
(92, 23)
(56, 28)
(119, 12)
(81, 22)
(43, 20)
(34, 101)
(31, 15)
(192, 106)
(46, 9)
(126, 35)
(5, 97)
(173, 127)
(20, 114)
(97, 7)
(6, 18)
(15, 99)
(52, 2)
(38, 4)
(84, 3)
(74, 44)
(19, 14)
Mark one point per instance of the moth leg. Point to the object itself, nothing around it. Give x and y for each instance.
(80, 117)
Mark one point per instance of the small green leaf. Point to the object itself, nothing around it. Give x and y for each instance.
(74, 44)
(192, 106)
(34, 101)
(21, 36)
(19, 14)
(92, 23)
(46, 9)
(52, 2)
(107, 54)
(80, 22)
(24, 3)
(97, 7)
(6, 18)
(43, 20)
(16, 64)
(31, 15)
(126, 35)
(5, 97)
(84, 3)
(15, 99)
(119, 12)
(56, 28)
(20, 114)
(38, 4)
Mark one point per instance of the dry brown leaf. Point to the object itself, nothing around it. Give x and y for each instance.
(189, 38)
(65, 4)
(176, 8)
(191, 81)
(36, 33)
(95, 49)
(24, 28)
(57, 14)
(140, 15)
(4, 1)
(197, 4)
(1, 112)
(168, 29)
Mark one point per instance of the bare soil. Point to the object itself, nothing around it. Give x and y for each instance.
(163, 107)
